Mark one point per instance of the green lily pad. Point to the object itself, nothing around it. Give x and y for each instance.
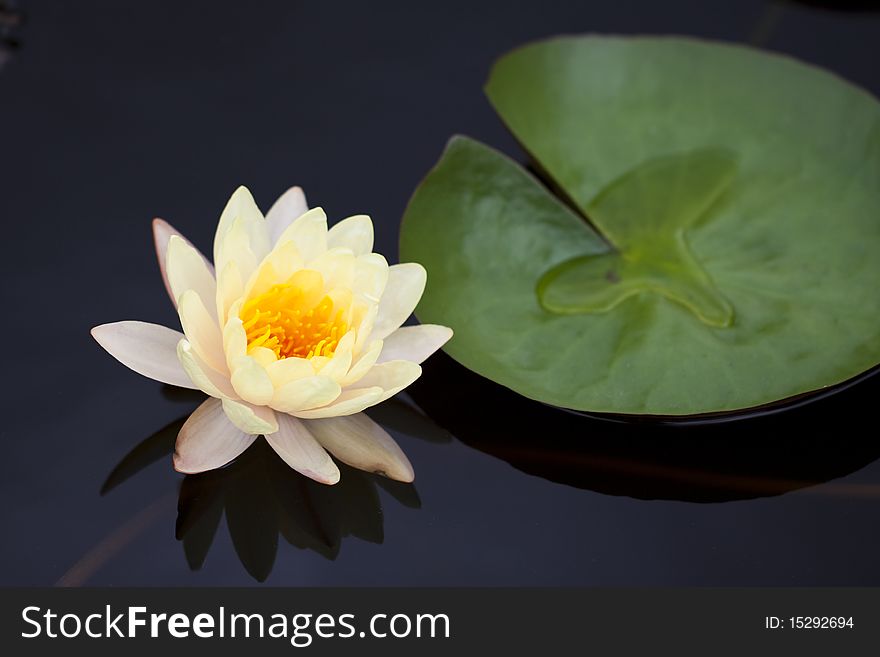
(708, 240)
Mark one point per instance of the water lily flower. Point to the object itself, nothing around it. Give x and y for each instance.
(296, 334)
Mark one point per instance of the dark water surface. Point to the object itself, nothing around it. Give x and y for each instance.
(112, 113)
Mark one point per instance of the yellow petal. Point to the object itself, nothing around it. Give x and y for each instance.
(276, 268)
(207, 440)
(338, 365)
(363, 444)
(230, 288)
(250, 381)
(201, 330)
(370, 276)
(236, 247)
(309, 233)
(337, 267)
(148, 349)
(205, 378)
(301, 451)
(392, 377)
(187, 270)
(234, 337)
(263, 356)
(406, 283)
(414, 343)
(355, 233)
(250, 418)
(363, 364)
(240, 208)
(363, 319)
(350, 401)
(289, 206)
(305, 393)
(289, 369)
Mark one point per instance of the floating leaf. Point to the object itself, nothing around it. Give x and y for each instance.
(711, 243)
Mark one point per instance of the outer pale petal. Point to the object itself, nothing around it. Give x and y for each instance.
(201, 330)
(251, 382)
(350, 401)
(299, 449)
(392, 377)
(309, 233)
(207, 440)
(355, 233)
(305, 393)
(206, 379)
(162, 233)
(406, 283)
(186, 270)
(289, 206)
(250, 418)
(414, 343)
(148, 349)
(360, 442)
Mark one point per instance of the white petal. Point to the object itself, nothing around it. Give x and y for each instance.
(414, 343)
(305, 393)
(350, 401)
(186, 270)
(250, 418)
(251, 382)
(406, 283)
(201, 330)
(363, 364)
(205, 378)
(148, 349)
(301, 451)
(360, 442)
(162, 233)
(392, 377)
(309, 233)
(207, 440)
(355, 233)
(370, 276)
(290, 206)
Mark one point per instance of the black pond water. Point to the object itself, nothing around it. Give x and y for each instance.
(113, 113)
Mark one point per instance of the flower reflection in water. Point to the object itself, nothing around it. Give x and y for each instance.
(263, 499)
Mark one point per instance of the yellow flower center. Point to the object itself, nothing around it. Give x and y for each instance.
(294, 319)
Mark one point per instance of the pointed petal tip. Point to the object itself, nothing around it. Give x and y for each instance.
(329, 480)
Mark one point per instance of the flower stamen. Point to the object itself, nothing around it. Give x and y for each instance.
(287, 320)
